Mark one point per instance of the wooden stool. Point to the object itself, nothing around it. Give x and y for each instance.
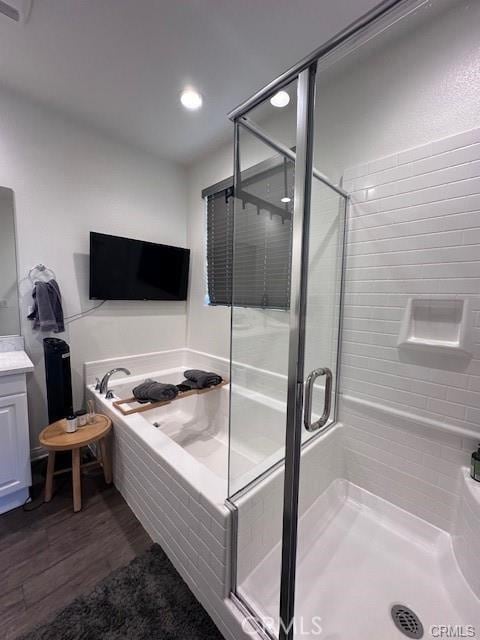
(54, 438)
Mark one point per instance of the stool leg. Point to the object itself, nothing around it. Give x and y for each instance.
(49, 478)
(107, 463)
(77, 486)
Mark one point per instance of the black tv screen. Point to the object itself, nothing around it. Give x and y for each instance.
(126, 269)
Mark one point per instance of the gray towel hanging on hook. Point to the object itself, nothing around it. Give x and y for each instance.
(47, 314)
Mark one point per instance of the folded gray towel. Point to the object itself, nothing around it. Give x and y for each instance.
(187, 385)
(141, 391)
(198, 379)
(159, 391)
(152, 391)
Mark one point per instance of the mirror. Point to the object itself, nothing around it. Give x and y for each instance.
(9, 311)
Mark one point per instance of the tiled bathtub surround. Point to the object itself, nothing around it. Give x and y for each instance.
(253, 448)
(192, 532)
(178, 500)
(156, 361)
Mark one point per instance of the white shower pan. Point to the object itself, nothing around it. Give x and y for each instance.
(358, 556)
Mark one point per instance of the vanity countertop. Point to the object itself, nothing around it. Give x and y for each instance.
(12, 362)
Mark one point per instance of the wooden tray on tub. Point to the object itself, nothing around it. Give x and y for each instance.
(118, 404)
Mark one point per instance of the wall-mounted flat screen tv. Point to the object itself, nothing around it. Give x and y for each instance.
(126, 269)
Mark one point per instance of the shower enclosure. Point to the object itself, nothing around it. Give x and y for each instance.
(289, 232)
(286, 317)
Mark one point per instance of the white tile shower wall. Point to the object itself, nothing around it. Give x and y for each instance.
(413, 228)
(405, 460)
(413, 231)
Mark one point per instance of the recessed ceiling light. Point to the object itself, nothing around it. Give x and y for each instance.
(286, 199)
(280, 99)
(191, 99)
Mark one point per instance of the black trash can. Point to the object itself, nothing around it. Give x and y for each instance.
(58, 377)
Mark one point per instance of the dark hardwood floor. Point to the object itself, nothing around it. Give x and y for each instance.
(50, 555)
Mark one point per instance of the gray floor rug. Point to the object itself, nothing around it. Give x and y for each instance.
(145, 600)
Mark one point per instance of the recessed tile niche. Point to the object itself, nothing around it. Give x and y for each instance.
(436, 324)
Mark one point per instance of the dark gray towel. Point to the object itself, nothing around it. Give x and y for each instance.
(47, 314)
(186, 385)
(198, 379)
(152, 391)
(159, 391)
(141, 391)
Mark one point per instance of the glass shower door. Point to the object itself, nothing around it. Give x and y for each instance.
(315, 316)
(322, 323)
(262, 245)
(286, 282)
(319, 464)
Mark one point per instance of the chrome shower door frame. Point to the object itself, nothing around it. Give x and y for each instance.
(304, 173)
(305, 72)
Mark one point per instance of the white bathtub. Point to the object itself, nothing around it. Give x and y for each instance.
(171, 464)
(198, 425)
(188, 434)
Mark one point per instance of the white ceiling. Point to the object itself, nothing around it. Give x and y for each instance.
(120, 64)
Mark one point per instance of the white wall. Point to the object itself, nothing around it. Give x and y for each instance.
(68, 180)
(208, 327)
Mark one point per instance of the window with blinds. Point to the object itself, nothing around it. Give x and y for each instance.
(249, 238)
(220, 246)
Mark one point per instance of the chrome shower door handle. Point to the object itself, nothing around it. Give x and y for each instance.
(307, 416)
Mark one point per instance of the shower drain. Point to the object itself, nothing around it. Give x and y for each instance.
(407, 621)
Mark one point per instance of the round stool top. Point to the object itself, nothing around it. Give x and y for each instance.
(55, 438)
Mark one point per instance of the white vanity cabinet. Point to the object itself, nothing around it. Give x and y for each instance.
(15, 474)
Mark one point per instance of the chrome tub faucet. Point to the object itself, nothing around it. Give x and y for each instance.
(103, 388)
